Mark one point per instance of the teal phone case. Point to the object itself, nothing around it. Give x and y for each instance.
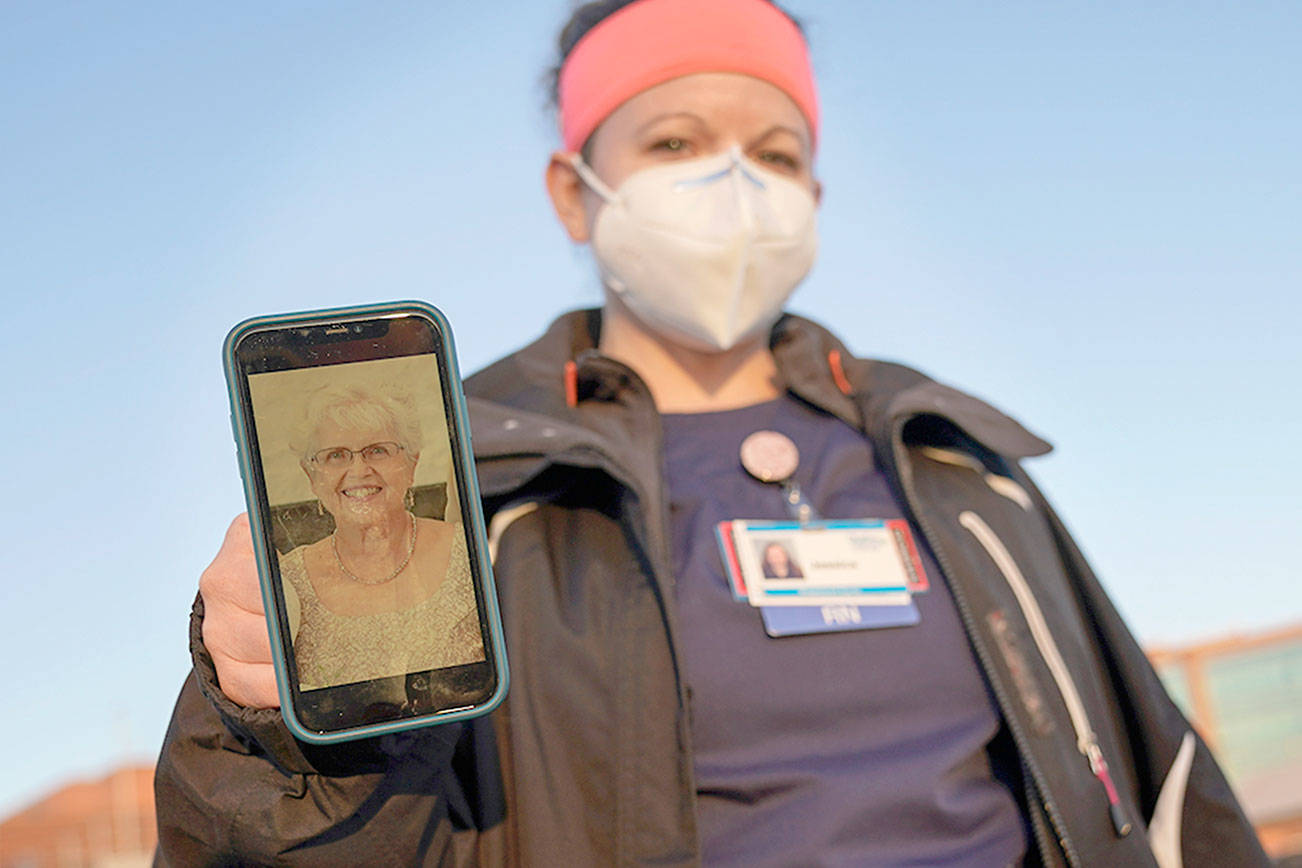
(473, 517)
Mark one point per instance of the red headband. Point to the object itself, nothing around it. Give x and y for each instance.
(652, 41)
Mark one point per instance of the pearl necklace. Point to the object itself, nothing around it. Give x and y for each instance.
(411, 547)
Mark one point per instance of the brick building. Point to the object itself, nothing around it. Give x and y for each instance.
(104, 823)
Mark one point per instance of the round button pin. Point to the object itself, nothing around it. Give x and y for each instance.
(769, 456)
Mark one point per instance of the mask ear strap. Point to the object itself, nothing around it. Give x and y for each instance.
(590, 178)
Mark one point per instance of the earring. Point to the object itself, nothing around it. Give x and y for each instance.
(320, 510)
(409, 500)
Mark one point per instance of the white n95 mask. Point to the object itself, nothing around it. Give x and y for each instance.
(704, 251)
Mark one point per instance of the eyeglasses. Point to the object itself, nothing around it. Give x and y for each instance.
(339, 457)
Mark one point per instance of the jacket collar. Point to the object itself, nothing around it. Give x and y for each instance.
(875, 395)
(521, 413)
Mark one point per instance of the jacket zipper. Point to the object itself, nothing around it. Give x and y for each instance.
(905, 475)
(1039, 828)
(1086, 740)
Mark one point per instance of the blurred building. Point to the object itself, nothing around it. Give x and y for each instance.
(105, 823)
(1244, 694)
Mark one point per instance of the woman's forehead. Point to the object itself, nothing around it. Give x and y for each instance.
(719, 99)
(338, 430)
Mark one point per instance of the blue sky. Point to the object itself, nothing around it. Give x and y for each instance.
(1087, 213)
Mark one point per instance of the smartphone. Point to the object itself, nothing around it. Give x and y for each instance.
(354, 447)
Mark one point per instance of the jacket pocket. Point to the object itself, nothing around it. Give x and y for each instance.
(1086, 739)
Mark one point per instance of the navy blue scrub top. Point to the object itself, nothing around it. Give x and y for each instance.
(867, 747)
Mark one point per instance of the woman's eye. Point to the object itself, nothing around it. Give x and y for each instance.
(673, 145)
(779, 159)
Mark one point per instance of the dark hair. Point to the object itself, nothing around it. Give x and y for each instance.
(588, 16)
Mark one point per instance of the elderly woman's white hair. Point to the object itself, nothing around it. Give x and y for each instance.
(378, 408)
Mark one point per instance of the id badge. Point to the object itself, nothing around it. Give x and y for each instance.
(824, 563)
(824, 576)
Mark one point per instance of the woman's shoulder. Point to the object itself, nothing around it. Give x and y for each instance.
(900, 391)
(293, 567)
(434, 536)
(313, 551)
(298, 562)
(423, 522)
(436, 528)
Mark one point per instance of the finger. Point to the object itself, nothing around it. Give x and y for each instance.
(232, 577)
(239, 535)
(252, 685)
(236, 635)
(231, 585)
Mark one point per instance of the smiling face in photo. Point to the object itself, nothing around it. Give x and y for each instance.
(365, 485)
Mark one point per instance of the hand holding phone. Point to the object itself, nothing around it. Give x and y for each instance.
(365, 522)
(235, 624)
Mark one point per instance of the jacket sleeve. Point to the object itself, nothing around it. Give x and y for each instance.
(233, 786)
(1193, 815)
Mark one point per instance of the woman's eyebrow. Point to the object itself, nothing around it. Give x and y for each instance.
(696, 119)
(779, 128)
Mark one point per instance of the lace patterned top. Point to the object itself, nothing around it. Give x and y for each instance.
(333, 649)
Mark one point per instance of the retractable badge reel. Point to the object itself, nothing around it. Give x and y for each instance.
(820, 596)
(773, 458)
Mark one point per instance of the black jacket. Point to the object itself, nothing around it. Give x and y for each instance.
(589, 761)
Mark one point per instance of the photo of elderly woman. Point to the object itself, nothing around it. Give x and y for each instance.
(372, 555)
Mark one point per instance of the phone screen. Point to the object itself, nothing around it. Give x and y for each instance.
(354, 444)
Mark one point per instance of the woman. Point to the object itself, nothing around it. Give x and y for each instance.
(382, 573)
(651, 718)
(777, 563)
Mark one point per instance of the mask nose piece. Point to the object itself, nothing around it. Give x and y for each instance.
(736, 166)
(740, 166)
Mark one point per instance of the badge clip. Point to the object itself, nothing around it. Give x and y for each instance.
(772, 457)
